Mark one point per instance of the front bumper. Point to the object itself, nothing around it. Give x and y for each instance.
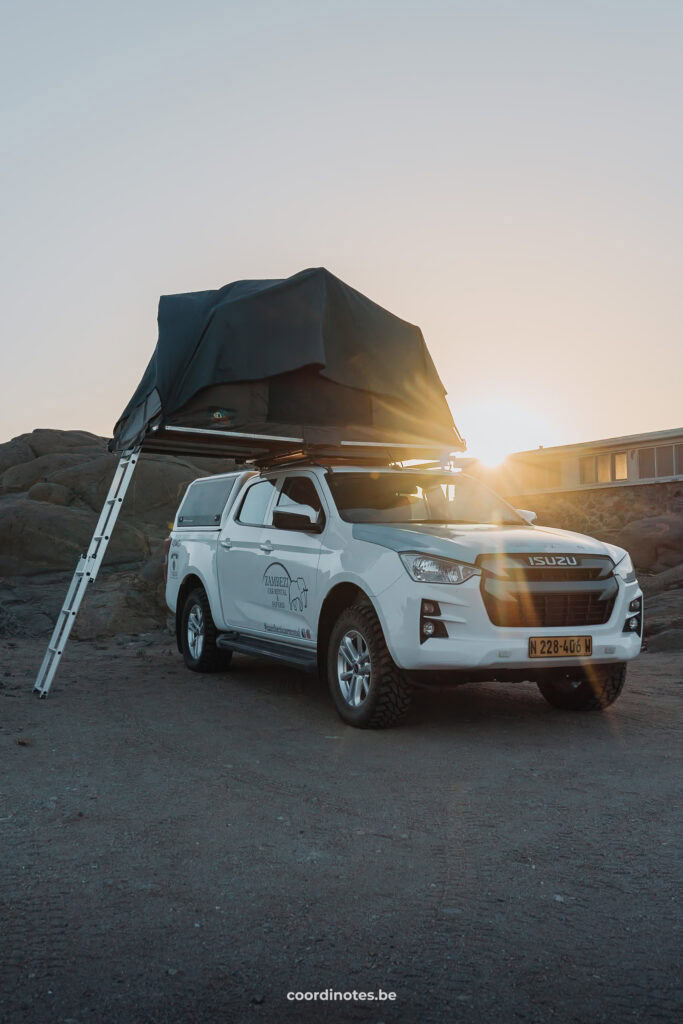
(473, 642)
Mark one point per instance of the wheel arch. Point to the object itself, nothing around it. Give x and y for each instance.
(341, 596)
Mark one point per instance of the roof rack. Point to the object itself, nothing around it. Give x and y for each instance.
(268, 449)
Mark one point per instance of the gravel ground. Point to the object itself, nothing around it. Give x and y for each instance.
(177, 848)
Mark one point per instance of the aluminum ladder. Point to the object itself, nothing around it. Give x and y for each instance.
(86, 570)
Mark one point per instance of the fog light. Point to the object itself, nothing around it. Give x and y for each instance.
(633, 623)
(432, 626)
(635, 605)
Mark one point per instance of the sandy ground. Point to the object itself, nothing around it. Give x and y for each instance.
(177, 848)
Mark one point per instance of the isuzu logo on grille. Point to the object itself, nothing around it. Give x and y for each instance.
(556, 561)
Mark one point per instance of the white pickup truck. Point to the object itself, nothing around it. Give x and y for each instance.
(384, 578)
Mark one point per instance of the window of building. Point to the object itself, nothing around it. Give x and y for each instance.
(646, 463)
(604, 469)
(665, 460)
(619, 466)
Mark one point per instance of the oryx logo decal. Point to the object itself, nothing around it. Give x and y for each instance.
(285, 591)
(556, 561)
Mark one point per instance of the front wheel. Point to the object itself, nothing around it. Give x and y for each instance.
(368, 689)
(595, 690)
(198, 635)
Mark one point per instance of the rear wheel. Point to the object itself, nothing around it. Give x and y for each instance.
(594, 691)
(368, 689)
(198, 635)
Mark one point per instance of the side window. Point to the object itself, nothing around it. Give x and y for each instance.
(255, 503)
(300, 490)
(204, 502)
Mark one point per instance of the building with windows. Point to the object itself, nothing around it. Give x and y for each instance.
(636, 459)
(595, 485)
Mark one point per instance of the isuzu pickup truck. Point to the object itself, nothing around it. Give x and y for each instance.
(384, 578)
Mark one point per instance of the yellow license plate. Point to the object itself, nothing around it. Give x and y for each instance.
(560, 646)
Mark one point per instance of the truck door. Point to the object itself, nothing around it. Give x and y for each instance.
(244, 541)
(290, 569)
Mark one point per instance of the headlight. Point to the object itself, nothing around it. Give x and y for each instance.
(430, 569)
(625, 569)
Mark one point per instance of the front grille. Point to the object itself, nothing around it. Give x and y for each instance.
(536, 575)
(536, 610)
(519, 594)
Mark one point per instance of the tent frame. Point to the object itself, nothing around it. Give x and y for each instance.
(264, 450)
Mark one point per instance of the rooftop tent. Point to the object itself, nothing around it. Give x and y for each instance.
(260, 369)
(258, 366)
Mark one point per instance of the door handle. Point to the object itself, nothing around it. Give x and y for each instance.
(266, 546)
(226, 542)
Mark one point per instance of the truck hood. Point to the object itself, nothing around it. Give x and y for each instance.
(466, 542)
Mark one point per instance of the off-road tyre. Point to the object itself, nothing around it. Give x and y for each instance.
(389, 694)
(599, 689)
(210, 658)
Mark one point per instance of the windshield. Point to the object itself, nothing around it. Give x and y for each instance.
(408, 497)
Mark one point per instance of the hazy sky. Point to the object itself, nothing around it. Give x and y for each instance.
(507, 175)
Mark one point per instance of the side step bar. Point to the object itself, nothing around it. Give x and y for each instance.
(287, 653)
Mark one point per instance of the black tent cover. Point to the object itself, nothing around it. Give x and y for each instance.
(306, 360)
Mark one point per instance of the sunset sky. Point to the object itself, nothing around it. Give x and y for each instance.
(507, 175)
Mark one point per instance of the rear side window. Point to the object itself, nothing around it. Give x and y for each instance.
(255, 503)
(204, 502)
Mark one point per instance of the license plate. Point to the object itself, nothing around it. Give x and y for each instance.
(560, 646)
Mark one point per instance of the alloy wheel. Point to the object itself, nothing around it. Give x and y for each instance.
(195, 632)
(354, 669)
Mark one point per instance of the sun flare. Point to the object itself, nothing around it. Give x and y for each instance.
(495, 428)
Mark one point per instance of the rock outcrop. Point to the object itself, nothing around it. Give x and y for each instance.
(52, 487)
(656, 543)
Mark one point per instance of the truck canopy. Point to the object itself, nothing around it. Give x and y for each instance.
(306, 360)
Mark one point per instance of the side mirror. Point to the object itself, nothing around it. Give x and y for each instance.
(302, 518)
(527, 515)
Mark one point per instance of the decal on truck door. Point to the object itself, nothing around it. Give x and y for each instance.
(284, 591)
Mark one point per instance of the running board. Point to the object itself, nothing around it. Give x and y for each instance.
(287, 653)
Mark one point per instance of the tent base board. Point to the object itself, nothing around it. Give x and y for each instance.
(263, 448)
